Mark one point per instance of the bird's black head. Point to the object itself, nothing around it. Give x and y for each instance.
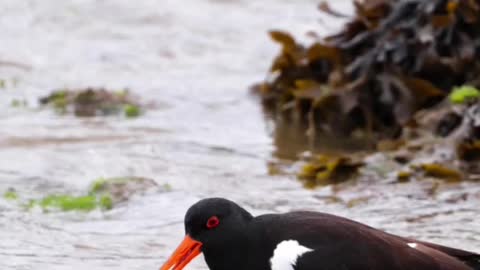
(212, 226)
(214, 221)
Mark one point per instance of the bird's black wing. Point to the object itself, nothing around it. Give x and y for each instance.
(470, 258)
(342, 244)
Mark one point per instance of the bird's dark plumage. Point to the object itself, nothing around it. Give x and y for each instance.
(240, 241)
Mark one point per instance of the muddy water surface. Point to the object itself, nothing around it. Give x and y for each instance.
(204, 136)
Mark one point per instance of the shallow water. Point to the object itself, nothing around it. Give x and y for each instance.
(205, 136)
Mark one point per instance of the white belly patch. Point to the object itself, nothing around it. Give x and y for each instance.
(286, 254)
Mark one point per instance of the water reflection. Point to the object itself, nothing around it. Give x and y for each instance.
(293, 138)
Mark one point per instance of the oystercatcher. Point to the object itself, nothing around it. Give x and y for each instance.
(232, 239)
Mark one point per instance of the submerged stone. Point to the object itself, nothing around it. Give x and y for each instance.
(91, 102)
(121, 189)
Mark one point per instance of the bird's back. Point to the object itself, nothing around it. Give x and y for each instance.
(338, 243)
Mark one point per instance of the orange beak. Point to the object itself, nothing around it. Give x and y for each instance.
(186, 251)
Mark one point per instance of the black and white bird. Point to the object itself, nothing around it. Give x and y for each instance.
(232, 239)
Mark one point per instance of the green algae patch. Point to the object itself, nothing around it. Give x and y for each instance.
(69, 203)
(103, 184)
(98, 197)
(131, 111)
(103, 194)
(73, 203)
(10, 195)
(463, 94)
(106, 202)
(97, 185)
(59, 101)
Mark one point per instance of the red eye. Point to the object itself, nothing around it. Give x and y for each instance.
(213, 222)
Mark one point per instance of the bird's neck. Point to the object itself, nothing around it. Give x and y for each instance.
(241, 252)
(226, 260)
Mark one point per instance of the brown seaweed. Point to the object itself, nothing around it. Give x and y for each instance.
(390, 60)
